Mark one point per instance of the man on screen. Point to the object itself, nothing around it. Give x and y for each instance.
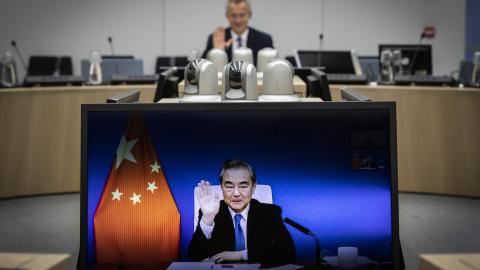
(239, 34)
(239, 228)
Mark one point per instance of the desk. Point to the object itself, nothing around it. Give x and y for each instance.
(438, 136)
(37, 261)
(459, 261)
(40, 136)
(299, 87)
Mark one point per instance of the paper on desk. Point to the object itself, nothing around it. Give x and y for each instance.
(243, 266)
(191, 266)
(285, 267)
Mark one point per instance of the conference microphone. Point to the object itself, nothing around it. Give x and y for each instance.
(428, 32)
(319, 262)
(14, 45)
(110, 43)
(297, 226)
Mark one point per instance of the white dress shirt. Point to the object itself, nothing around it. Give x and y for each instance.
(243, 36)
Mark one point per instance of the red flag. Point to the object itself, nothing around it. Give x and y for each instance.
(137, 220)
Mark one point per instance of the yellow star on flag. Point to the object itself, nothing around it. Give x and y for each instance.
(155, 167)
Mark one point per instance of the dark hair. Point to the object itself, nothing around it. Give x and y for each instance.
(236, 2)
(237, 163)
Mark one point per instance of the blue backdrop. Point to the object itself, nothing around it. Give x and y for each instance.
(306, 158)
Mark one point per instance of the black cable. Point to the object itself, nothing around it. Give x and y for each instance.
(416, 53)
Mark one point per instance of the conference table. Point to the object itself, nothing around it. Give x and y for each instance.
(438, 133)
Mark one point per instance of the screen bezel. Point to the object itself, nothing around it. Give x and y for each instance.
(390, 107)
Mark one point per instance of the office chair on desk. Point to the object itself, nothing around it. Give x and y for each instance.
(263, 194)
(167, 84)
(42, 65)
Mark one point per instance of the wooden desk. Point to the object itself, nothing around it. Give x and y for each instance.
(299, 87)
(40, 136)
(459, 261)
(438, 136)
(37, 261)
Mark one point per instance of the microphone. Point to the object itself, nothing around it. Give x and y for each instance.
(321, 41)
(110, 43)
(320, 263)
(428, 32)
(14, 45)
(297, 226)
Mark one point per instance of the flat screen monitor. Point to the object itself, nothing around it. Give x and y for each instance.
(416, 59)
(334, 62)
(370, 67)
(328, 166)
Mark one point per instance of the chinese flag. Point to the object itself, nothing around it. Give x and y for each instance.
(137, 220)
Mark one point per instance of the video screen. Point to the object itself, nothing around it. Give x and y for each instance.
(257, 184)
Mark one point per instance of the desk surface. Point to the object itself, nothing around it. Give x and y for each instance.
(38, 261)
(438, 136)
(454, 261)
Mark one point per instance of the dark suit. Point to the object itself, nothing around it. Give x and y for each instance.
(256, 41)
(268, 241)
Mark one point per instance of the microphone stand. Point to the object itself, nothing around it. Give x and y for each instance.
(14, 45)
(320, 264)
(416, 53)
(110, 42)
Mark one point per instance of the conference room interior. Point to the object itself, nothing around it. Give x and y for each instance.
(421, 58)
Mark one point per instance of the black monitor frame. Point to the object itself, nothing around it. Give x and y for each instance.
(419, 54)
(348, 107)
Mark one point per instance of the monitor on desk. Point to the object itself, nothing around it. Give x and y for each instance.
(141, 163)
(415, 59)
(334, 62)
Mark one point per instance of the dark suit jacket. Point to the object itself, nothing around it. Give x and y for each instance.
(268, 241)
(256, 41)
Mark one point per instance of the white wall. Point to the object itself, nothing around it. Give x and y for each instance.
(149, 28)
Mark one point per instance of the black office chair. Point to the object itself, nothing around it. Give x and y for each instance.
(302, 72)
(65, 65)
(180, 61)
(162, 62)
(42, 65)
(318, 85)
(171, 87)
(164, 87)
(292, 60)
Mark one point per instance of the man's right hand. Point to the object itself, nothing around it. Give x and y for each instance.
(219, 39)
(209, 203)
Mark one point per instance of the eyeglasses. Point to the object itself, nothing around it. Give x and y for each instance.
(229, 188)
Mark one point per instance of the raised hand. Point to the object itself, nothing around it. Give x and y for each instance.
(209, 203)
(219, 39)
